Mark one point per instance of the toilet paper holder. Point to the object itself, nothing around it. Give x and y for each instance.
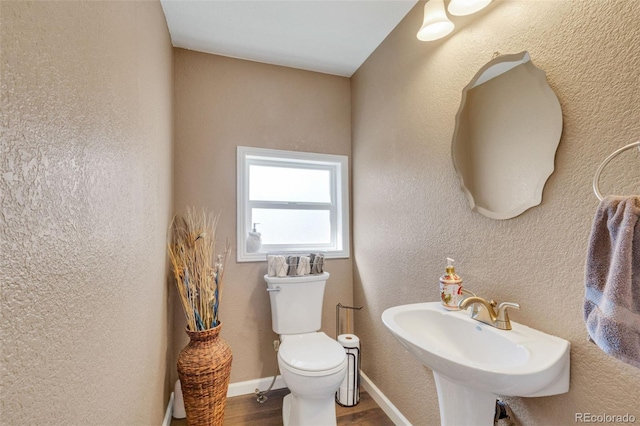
(348, 394)
(349, 322)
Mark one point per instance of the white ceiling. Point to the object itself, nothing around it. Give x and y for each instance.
(328, 36)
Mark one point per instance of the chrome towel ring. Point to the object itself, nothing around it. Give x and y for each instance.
(596, 178)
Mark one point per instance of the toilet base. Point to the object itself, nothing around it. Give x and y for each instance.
(315, 412)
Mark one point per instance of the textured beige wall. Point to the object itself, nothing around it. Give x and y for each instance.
(85, 183)
(222, 103)
(405, 98)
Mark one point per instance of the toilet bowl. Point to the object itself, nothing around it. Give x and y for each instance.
(312, 366)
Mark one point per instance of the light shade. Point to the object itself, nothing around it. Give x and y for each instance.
(436, 24)
(466, 7)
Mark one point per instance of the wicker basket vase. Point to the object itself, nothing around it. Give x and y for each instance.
(204, 366)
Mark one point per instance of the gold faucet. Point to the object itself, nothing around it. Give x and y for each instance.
(469, 293)
(488, 315)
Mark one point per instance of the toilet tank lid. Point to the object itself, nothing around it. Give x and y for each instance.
(311, 352)
(297, 279)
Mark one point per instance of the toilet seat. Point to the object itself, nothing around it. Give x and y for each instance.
(312, 353)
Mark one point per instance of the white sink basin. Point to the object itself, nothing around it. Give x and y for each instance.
(473, 362)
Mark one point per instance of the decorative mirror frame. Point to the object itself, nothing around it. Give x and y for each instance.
(504, 148)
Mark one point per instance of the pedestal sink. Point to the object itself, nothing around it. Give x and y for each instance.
(473, 362)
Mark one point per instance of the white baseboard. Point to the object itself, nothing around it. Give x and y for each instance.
(389, 409)
(167, 414)
(250, 386)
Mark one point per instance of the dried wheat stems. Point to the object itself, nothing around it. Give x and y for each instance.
(198, 270)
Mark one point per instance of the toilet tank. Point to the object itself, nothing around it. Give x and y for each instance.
(296, 307)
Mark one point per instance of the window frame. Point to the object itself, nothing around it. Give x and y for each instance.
(338, 167)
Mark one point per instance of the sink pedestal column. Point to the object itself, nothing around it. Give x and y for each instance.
(462, 405)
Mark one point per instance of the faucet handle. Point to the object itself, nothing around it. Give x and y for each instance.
(502, 320)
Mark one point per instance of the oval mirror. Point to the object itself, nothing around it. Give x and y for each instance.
(507, 131)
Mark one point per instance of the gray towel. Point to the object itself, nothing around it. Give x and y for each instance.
(612, 279)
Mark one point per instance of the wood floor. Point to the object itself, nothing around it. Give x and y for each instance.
(246, 411)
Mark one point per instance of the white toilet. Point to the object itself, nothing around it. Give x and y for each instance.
(312, 364)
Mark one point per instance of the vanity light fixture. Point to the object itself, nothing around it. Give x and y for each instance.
(436, 24)
(467, 7)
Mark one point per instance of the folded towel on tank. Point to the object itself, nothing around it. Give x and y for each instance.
(304, 266)
(277, 265)
(292, 262)
(317, 263)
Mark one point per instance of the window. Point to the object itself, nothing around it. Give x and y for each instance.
(298, 201)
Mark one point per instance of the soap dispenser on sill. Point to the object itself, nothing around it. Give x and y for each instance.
(254, 240)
